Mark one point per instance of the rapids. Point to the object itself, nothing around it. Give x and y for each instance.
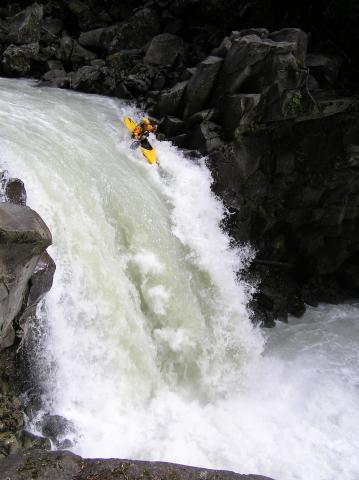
(147, 346)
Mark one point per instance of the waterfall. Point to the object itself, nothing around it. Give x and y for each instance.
(149, 349)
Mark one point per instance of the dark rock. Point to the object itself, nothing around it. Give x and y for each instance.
(165, 49)
(41, 279)
(56, 78)
(8, 444)
(80, 56)
(17, 59)
(252, 64)
(100, 38)
(11, 415)
(188, 73)
(205, 137)
(199, 117)
(23, 238)
(29, 441)
(296, 36)
(67, 466)
(202, 84)
(87, 79)
(239, 110)
(55, 427)
(15, 191)
(137, 31)
(124, 60)
(324, 68)
(172, 126)
(169, 101)
(181, 140)
(25, 27)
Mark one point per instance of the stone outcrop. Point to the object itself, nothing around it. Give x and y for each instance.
(67, 466)
(26, 274)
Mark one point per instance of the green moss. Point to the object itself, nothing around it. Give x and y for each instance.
(294, 105)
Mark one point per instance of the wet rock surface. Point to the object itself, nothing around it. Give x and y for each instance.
(67, 466)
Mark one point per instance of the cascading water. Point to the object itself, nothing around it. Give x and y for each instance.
(149, 349)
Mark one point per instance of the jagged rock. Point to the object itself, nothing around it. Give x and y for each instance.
(324, 68)
(41, 279)
(15, 191)
(29, 441)
(87, 79)
(17, 58)
(165, 49)
(202, 84)
(204, 115)
(239, 110)
(252, 64)
(23, 238)
(25, 27)
(67, 466)
(170, 100)
(137, 31)
(205, 137)
(11, 416)
(296, 36)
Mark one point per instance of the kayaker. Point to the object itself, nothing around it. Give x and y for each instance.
(143, 129)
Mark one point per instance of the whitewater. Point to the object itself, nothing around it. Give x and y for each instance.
(146, 344)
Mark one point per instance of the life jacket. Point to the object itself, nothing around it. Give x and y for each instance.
(143, 126)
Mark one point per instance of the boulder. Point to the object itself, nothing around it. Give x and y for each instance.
(17, 58)
(137, 31)
(172, 126)
(23, 238)
(252, 64)
(99, 38)
(25, 27)
(80, 56)
(296, 36)
(169, 101)
(165, 50)
(239, 110)
(56, 78)
(205, 137)
(140, 79)
(15, 191)
(87, 79)
(202, 84)
(56, 427)
(41, 279)
(124, 60)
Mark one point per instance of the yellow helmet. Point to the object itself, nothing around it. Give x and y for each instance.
(146, 121)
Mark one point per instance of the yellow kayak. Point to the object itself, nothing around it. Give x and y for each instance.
(149, 153)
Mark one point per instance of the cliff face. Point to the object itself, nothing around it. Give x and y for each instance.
(275, 111)
(26, 274)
